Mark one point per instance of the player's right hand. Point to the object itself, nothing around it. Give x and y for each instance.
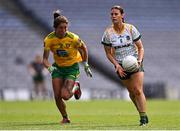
(120, 70)
(51, 69)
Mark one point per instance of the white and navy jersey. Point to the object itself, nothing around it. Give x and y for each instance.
(123, 43)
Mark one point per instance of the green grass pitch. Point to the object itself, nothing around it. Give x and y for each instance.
(93, 115)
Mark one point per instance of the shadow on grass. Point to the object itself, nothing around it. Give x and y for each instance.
(75, 126)
(101, 126)
(32, 124)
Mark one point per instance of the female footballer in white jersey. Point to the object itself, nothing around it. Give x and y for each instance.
(120, 40)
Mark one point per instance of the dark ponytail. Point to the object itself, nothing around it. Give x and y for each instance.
(58, 18)
(56, 14)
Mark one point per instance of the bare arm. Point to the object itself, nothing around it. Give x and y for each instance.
(140, 50)
(31, 70)
(45, 58)
(110, 55)
(84, 52)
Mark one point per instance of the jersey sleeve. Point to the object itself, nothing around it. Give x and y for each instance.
(106, 39)
(46, 44)
(135, 34)
(78, 41)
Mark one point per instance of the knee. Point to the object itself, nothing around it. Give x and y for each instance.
(59, 97)
(65, 94)
(66, 97)
(137, 91)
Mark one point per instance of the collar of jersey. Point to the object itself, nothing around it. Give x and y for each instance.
(62, 37)
(122, 30)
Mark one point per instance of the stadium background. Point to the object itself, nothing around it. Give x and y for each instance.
(25, 23)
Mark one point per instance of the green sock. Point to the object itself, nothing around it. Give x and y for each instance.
(65, 116)
(142, 114)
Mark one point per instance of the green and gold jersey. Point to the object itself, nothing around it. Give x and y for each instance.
(65, 50)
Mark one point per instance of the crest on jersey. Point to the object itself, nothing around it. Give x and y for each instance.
(68, 45)
(127, 37)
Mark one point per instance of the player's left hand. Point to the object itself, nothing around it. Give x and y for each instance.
(87, 69)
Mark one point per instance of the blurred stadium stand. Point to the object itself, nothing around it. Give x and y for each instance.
(24, 24)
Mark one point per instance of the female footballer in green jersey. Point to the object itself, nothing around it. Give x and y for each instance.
(120, 40)
(68, 50)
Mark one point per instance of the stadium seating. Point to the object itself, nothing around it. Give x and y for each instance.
(19, 42)
(158, 21)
